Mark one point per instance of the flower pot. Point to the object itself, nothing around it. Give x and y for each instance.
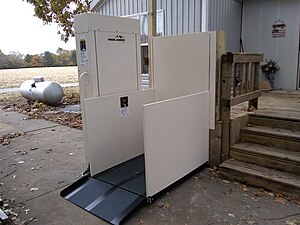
(270, 77)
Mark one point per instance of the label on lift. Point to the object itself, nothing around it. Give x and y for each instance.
(83, 55)
(124, 106)
(124, 112)
(117, 38)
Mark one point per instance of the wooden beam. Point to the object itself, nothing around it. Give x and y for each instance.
(245, 97)
(220, 50)
(215, 145)
(236, 125)
(247, 57)
(225, 107)
(215, 141)
(151, 33)
(254, 102)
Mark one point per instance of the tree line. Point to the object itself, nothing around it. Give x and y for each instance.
(16, 60)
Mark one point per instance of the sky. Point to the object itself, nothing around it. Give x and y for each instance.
(24, 33)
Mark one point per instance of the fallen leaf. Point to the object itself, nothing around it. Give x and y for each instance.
(280, 200)
(141, 221)
(31, 219)
(164, 205)
(10, 212)
(229, 192)
(290, 223)
(245, 189)
(258, 194)
(38, 167)
(34, 189)
(225, 181)
(231, 215)
(245, 195)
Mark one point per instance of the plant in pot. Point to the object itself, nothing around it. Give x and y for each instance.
(269, 68)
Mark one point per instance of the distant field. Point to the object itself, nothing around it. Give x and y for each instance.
(15, 77)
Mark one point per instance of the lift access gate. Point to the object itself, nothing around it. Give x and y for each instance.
(139, 142)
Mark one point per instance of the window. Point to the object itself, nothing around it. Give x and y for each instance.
(160, 31)
(143, 17)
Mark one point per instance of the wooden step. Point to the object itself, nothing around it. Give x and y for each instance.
(270, 157)
(275, 137)
(272, 180)
(275, 121)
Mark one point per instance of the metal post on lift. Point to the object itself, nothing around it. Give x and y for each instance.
(151, 33)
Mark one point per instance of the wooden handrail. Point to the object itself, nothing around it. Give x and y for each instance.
(239, 83)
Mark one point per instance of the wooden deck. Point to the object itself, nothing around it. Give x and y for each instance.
(266, 150)
(278, 103)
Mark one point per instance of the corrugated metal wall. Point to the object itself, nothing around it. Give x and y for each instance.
(185, 16)
(226, 15)
(181, 16)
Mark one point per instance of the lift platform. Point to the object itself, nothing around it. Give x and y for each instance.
(111, 195)
(139, 142)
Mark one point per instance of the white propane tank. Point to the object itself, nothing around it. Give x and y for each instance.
(40, 90)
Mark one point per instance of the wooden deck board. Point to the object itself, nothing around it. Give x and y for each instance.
(267, 156)
(267, 151)
(273, 180)
(273, 121)
(278, 132)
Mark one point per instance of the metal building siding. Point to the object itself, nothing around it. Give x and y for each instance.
(226, 15)
(122, 7)
(181, 16)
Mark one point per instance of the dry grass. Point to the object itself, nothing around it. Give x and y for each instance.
(15, 77)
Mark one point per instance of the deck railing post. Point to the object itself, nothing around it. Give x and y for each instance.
(215, 135)
(245, 67)
(254, 102)
(226, 86)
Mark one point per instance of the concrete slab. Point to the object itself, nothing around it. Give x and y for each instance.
(52, 209)
(36, 166)
(13, 122)
(205, 200)
(46, 159)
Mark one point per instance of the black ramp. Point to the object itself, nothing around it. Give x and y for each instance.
(129, 175)
(113, 194)
(117, 205)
